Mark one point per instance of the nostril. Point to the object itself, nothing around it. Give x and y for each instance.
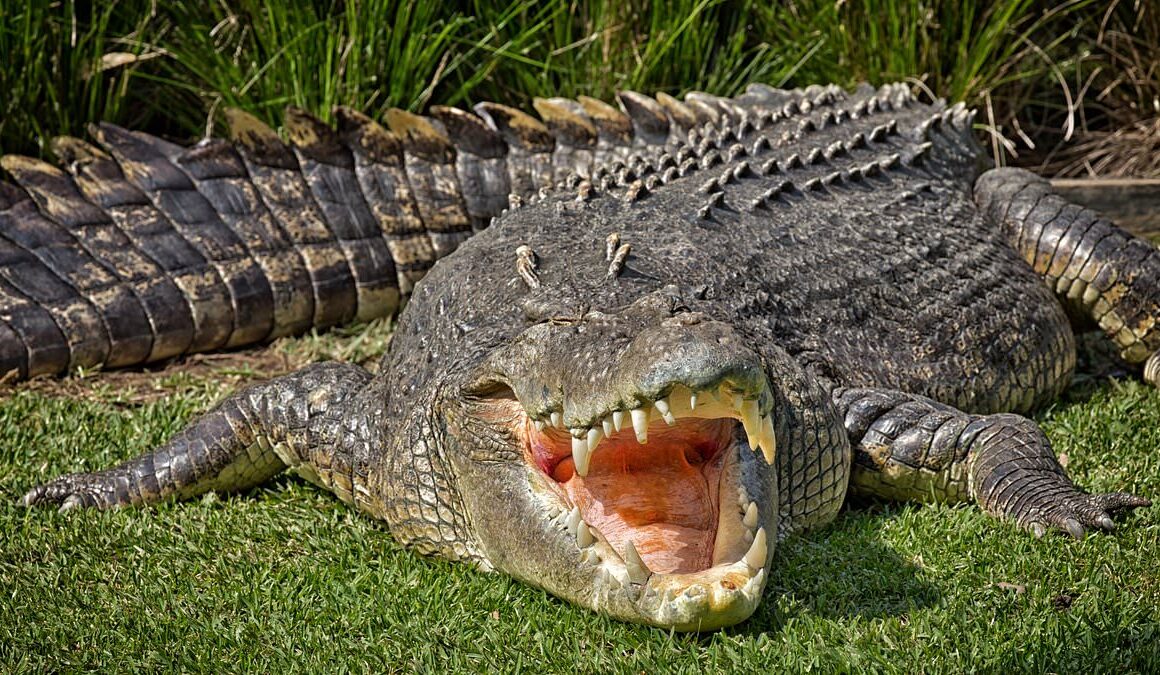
(685, 319)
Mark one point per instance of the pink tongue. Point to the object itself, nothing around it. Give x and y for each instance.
(666, 509)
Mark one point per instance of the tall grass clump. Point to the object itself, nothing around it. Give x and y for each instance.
(264, 56)
(64, 64)
(1010, 58)
(376, 54)
(1119, 85)
(1029, 66)
(597, 48)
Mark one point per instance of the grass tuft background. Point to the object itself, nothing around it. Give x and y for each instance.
(1055, 80)
(285, 578)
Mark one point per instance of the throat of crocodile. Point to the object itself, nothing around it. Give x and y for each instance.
(662, 496)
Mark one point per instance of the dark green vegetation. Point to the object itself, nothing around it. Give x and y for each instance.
(287, 577)
(1040, 72)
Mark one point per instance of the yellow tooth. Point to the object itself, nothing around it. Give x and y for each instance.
(585, 538)
(638, 572)
(581, 455)
(573, 520)
(751, 420)
(768, 439)
(594, 436)
(640, 424)
(751, 416)
(663, 408)
(755, 557)
(751, 515)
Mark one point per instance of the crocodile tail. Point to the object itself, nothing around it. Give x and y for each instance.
(140, 250)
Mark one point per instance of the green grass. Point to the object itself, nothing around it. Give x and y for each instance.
(286, 578)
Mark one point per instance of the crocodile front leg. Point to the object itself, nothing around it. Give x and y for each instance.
(1101, 273)
(293, 421)
(912, 447)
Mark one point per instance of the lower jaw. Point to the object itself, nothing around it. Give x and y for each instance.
(714, 598)
(706, 596)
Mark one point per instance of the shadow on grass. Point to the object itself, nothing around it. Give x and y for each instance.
(1097, 361)
(841, 572)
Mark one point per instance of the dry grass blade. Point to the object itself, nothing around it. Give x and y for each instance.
(1131, 150)
(1119, 133)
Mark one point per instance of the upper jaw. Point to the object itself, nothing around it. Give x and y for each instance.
(752, 406)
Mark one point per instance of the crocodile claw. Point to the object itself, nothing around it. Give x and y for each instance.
(1078, 512)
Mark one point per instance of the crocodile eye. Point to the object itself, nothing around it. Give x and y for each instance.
(541, 309)
(493, 421)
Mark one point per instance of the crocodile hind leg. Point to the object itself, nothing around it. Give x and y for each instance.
(912, 447)
(292, 421)
(1102, 274)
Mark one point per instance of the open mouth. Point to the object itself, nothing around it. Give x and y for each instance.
(654, 494)
(662, 498)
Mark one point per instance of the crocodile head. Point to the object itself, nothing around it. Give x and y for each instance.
(635, 475)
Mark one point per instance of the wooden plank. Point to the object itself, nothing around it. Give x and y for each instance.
(1132, 203)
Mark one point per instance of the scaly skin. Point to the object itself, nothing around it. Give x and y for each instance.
(628, 390)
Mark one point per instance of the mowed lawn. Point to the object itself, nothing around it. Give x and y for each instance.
(285, 578)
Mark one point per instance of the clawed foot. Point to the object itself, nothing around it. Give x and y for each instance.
(1015, 475)
(73, 491)
(1077, 511)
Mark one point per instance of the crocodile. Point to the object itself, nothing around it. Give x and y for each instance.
(657, 340)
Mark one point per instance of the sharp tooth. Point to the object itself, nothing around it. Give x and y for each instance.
(751, 415)
(557, 419)
(581, 455)
(693, 401)
(584, 538)
(638, 572)
(751, 419)
(640, 424)
(595, 434)
(573, 520)
(663, 408)
(755, 557)
(768, 439)
(606, 424)
(751, 515)
(539, 424)
(617, 419)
